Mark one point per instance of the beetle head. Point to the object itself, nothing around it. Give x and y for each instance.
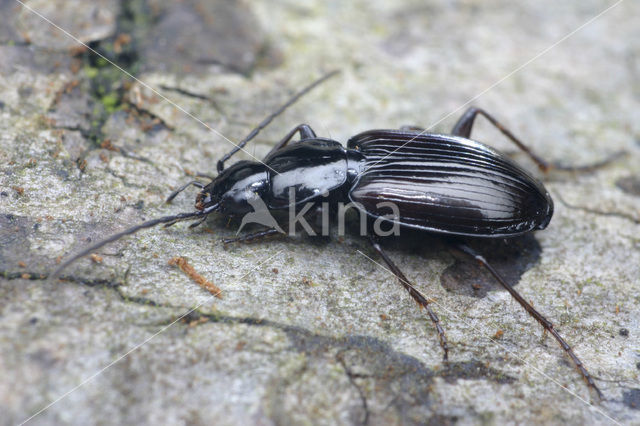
(230, 192)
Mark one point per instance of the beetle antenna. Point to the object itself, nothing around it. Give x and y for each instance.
(273, 115)
(148, 224)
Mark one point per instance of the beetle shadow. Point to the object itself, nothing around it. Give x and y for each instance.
(511, 257)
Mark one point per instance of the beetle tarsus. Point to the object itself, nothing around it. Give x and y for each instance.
(415, 294)
(589, 167)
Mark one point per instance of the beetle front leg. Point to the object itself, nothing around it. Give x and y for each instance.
(548, 326)
(306, 132)
(415, 293)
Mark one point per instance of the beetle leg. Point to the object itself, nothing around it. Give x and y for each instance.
(589, 167)
(198, 223)
(465, 123)
(252, 236)
(182, 188)
(548, 326)
(305, 131)
(205, 175)
(415, 293)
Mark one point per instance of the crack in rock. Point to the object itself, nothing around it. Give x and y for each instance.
(620, 215)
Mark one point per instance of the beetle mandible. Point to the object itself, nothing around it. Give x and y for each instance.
(445, 184)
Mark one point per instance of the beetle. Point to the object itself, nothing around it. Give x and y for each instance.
(444, 184)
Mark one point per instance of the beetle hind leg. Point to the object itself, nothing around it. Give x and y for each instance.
(415, 294)
(465, 124)
(545, 323)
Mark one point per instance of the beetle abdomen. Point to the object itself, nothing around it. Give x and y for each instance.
(448, 184)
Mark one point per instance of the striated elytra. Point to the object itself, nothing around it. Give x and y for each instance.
(449, 184)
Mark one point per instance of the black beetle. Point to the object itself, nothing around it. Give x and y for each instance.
(448, 184)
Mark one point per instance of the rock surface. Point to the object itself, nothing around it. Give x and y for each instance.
(309, 330)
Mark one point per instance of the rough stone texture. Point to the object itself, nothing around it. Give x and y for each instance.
(86, 22)
(309, 330)
(192, 35)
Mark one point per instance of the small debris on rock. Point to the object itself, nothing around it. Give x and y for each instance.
(184, 266)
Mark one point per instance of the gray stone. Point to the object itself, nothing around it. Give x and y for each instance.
(9, 10)
(193, 36)
(309, 330)
(87, 21)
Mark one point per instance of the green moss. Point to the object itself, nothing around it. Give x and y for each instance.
(91, 72)
(104, 82)
(111, 102)
(101, 62)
